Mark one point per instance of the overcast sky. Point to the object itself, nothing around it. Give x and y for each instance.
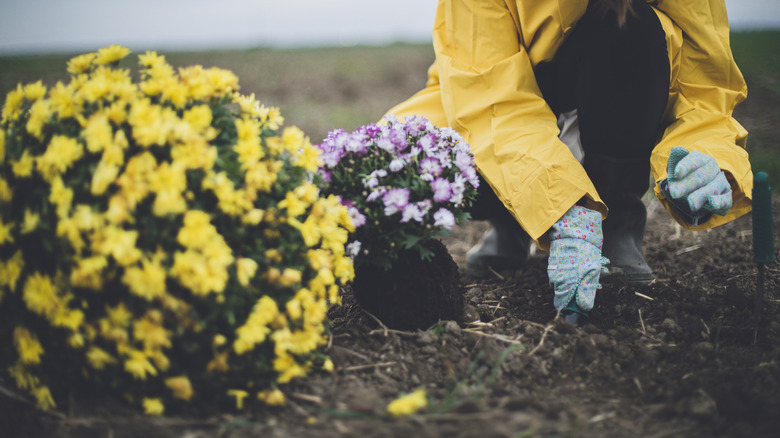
(35, 26)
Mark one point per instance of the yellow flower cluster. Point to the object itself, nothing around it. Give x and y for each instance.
(408, 404)
(144, 217)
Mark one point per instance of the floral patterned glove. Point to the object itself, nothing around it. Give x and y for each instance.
(575, 262)
(696, 185)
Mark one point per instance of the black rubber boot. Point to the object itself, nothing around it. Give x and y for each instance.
(621, 185)
(506, 246)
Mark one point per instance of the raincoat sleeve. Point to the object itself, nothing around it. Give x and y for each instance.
(705, 87)
(489, 94)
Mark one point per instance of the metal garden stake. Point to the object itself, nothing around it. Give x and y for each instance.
(763, 238)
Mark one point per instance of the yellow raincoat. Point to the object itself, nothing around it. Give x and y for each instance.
(482, 84)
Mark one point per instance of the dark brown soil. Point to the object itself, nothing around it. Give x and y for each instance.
(674, 358)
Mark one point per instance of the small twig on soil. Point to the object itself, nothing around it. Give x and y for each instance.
(353, 352)
(496, 336)
(368, 366)
(501, 277)
(642, 321)
(706, 327)
(7, 392)
(485, 324)
(386, 331)
(641, 295)
(601, 417)
(638, 385)
(377, 320)
(317, 400)
(541, 341)
(688, 249)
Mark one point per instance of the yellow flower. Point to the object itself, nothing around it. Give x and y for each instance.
(98, 133)
(328, 365)
(13, 104)
(61, 153)
(294, 205)
(27, 345)
(180, 386)
(290, 277)
(110, 54)
(24, 379)
(10, 270)
(118, 243)
(43, 398)
(152, 334)
(5, 232)
(245, 270)
(255, 330)
(40, 112)
(198, 117)
(30, 223)
(61, 196)
(219, 363)
(99, 358)
(63, 101)
(219, 340)
(2, 145)
(34, 91)
(240, 395)
(88, 272)
(24, 165)
(81, 63)
(408, 404)
(139, 366)
(153, 406)
(293, 138)
(148, 281)
(272, 397)
(168, 181)
(40, 294)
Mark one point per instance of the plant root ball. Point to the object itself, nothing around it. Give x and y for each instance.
(413, 294)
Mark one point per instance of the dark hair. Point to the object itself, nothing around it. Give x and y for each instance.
(621, 8)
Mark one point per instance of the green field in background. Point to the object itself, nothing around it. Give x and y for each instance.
(325, 88)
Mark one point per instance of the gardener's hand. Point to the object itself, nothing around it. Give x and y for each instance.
(695, 181)
(575, 262)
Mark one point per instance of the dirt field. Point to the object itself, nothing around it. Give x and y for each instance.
(674, 358)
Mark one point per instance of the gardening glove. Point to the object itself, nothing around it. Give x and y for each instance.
(575, 262)
(696, 186)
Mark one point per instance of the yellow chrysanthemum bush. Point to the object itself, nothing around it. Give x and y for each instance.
(161, 238)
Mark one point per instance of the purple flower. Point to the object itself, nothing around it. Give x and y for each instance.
(428, 143)
(376, 194)
(397, 136)
(415, 125)
(412, 212)
(395, 200)
(397, 164)
(444, 218)
(358, 219)
(353, 248)
(442, 191)
(430, 166)
(458, 187)
(372, 180)
(384, 143)
(357, 143)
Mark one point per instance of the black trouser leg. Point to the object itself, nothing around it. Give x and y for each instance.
(618, 81)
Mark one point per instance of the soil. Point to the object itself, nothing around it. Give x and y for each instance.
(673, 358)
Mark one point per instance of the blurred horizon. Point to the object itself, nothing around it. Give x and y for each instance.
(58, 26)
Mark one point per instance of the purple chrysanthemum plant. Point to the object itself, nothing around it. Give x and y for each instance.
(402, 181)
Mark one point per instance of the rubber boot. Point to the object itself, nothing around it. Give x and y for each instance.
(621, 185)
(506, 246)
